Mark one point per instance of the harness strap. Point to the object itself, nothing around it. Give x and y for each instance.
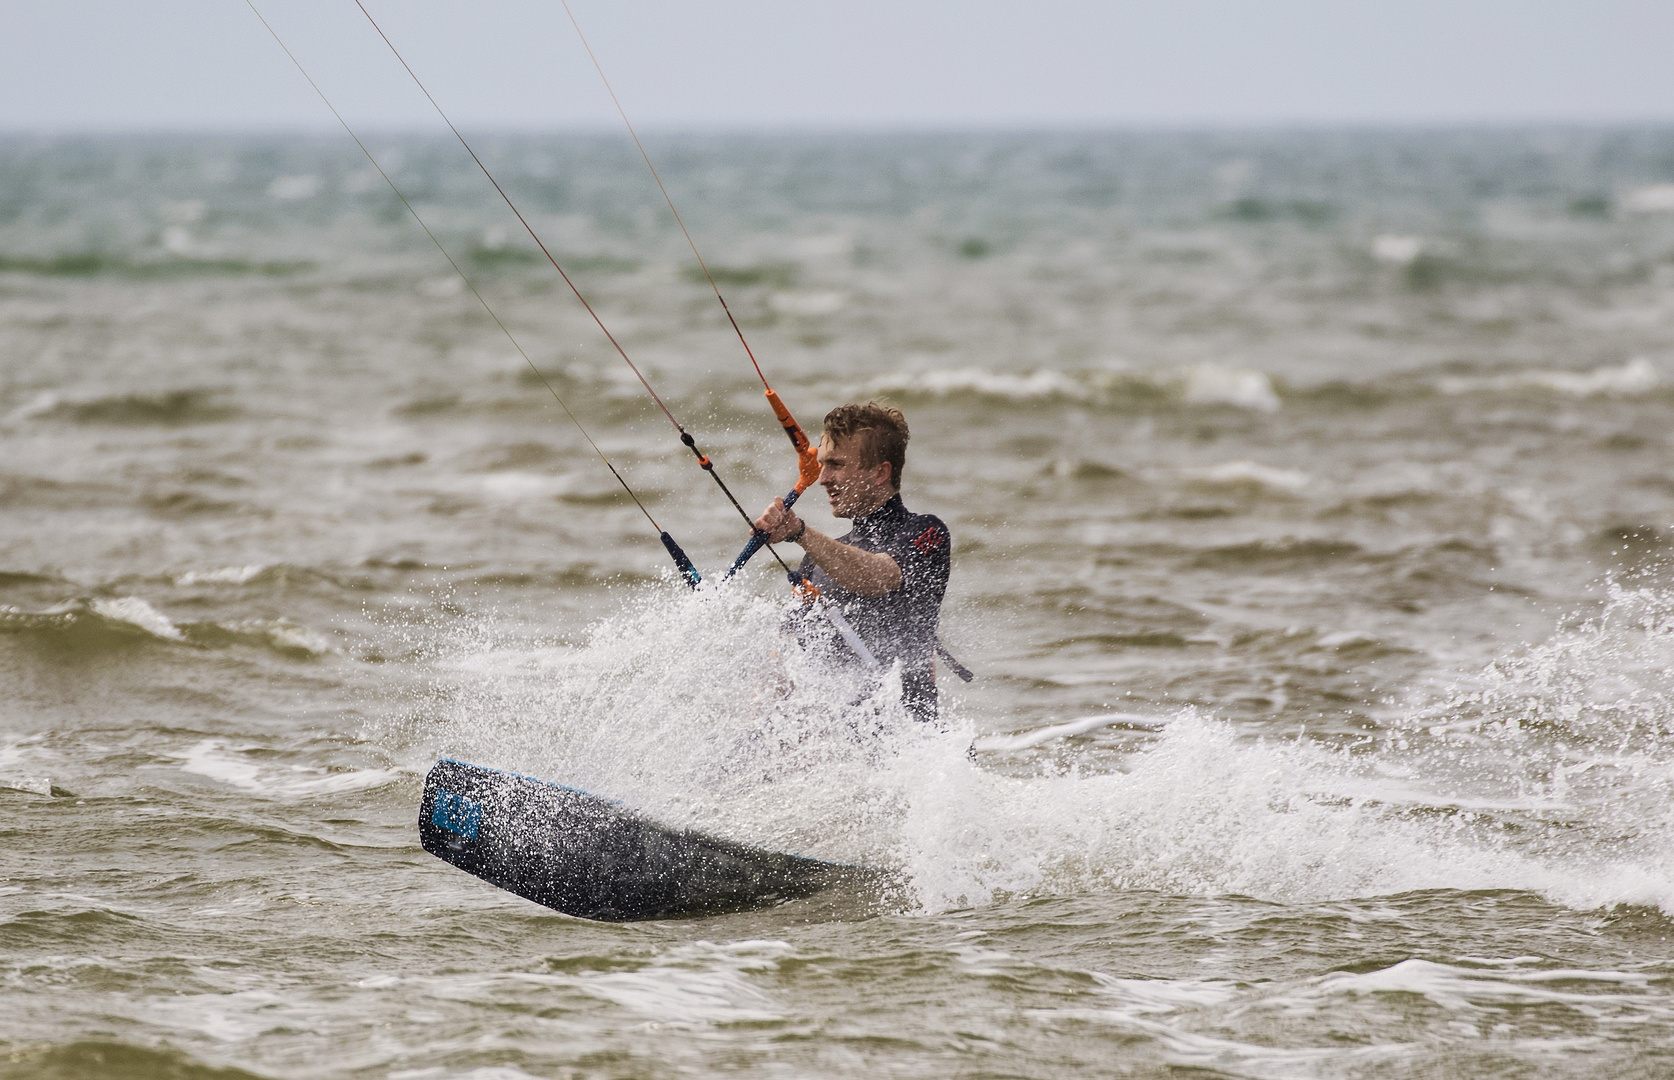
(965, 674)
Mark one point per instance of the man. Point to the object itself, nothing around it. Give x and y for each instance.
(887, 575)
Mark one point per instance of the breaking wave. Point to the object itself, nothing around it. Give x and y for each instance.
(93, 1057)
(1203, 385)
(1636, 377)
(1216, 385)
(171, 408)
(91, 626)
(230, 765)
(751, 736)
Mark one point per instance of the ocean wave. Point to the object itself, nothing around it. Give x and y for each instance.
(132, 611)
(257, 577)
(170, 408)
(1204, 385)
(1267, 554)
(89, 1058)
(10, 579)
(1081, 725)
(214, 759)
(1603, 683)
(43, 402)
(1202, 812)
(1635, 378)
(226, 575)
(77, 922)
(92, 625)
(808, 304)
(34, 785)
(1650, 199)
(1250, 474)
(947, 382)
(277, 635)
(1219, 386)
(1197, 807)
(44, 492)
(96, 264)
(1084, 469)
(1212, 384)
(1462, 988)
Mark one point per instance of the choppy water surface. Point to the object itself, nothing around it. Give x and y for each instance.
(1311, 496)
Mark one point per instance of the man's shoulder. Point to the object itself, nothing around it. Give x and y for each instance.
(926, 533)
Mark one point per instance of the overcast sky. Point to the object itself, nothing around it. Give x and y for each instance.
(118, 64)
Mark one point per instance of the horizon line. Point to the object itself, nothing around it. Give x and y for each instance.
(802, 128)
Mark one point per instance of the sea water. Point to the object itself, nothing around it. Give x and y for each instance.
(1311, 496)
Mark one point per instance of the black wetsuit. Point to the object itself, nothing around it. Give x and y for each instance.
(899, 625)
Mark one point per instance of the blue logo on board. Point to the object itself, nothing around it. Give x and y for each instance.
(456, 814)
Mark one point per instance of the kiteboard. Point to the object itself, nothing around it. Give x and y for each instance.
(594, 858)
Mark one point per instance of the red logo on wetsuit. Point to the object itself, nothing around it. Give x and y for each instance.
(929, 540)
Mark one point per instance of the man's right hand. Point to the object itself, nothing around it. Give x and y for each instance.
(869, 573)
(778, 521)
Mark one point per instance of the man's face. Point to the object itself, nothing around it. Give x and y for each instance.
(853, 488)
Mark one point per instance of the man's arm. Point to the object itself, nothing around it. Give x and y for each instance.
(869, 573)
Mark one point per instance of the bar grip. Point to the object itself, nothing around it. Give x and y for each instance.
(757, 539)
(687, 570)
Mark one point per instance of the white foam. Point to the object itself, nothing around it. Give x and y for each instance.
(1182, 1046)
(1141, 997)
(695, 985)
(1044, 383)
(689, 986)
(233, 1017)
(177, 240)
(184, 212)
(807, 304)
(294, 188)
(746, 738)
(212, 758)
(1079, 726)
(43, 402)
(1249, 472)
(286, 635)
(1343, 638)
(24, 764)
(482, 1072)
(1470, 990)
(1396, 250)
(514, 486)
(136, 612)
(1637, 376)
(225, 575)
(1212, 384)
(830, 245)
(1650, 199)
(209, 758)
(305, 780)
(361, 181)
(35, 785)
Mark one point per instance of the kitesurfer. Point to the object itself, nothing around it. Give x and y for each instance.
(888, 574)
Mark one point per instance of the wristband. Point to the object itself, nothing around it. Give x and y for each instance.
(797, 537)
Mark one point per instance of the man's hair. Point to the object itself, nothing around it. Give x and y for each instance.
(878, 432)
